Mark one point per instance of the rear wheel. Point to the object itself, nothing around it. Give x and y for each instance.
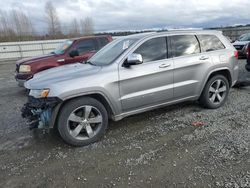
(215, 92)
(82, 121)
(247, 66)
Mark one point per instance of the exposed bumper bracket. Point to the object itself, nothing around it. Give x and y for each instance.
(39, 111)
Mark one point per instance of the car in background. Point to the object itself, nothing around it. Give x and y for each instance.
(241, 44)
(132, 74)
(248, 57)
(70, 51)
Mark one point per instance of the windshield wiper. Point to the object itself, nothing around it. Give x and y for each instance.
(88, 62)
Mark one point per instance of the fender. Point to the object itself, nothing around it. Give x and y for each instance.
(210, 73)
(57, 108)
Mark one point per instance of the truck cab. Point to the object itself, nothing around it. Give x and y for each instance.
(70, 51)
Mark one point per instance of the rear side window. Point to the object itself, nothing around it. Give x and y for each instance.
(85, 46)
(102, 42)
(153, 49)
(210, 43)
(184, 45)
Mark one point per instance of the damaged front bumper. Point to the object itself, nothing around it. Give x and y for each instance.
(41, 112)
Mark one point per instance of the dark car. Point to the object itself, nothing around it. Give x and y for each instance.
(70, 51)
(248, 57)
(241, 44)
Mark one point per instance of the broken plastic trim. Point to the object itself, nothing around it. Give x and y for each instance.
(38, 111)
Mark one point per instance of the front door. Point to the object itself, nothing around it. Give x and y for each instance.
(86, 48)
(151, 82)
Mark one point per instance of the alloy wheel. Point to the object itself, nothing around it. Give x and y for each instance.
(217, 91)
(84, 122)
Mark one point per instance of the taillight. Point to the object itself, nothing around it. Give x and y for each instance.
(236, 54)
(248, 51)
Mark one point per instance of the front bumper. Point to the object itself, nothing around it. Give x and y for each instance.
(40, 112)
(20, 82)
(21, 78)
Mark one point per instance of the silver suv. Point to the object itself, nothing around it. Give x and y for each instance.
(132, 74)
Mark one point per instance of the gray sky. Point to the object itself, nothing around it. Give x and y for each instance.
(139, 14)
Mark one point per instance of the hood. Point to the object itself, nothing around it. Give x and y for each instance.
(241, 42)
(59, 74)
(27, 61)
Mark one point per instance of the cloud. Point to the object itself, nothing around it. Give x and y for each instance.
(140, 14)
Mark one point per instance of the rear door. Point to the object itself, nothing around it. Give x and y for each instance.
(190, 65)
(211, 44)
(151, 82)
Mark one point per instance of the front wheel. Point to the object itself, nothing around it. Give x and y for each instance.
(215, 92)
(82, 121)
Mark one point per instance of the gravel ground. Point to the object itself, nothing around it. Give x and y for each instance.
(161, 148)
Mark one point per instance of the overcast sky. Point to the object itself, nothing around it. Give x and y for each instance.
(139, 14)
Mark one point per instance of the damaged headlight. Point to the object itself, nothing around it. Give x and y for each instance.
(39, 93)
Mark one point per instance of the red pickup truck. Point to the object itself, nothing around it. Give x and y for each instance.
(70, 51)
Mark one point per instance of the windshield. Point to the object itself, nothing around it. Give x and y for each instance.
(112, 51)
(245, 37)
(63, 47)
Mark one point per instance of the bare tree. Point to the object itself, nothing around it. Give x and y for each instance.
(21, 24)
(74, 28)
(54, 26)
(87, 26)
(3, 23)
(7, 33)
(15, 24)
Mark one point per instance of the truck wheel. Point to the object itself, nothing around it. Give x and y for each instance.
(215, 93)
(82, 121)
(247, 66)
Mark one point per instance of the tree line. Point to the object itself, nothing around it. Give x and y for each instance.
(15, 25)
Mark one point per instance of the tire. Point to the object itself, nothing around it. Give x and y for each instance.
(212, 96)
(82, 121)
(247, 66)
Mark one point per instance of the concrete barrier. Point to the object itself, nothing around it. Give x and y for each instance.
(18, 50)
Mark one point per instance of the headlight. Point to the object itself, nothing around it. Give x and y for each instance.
(24, 68)
(39, 93)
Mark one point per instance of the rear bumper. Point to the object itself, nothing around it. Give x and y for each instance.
(40, 113)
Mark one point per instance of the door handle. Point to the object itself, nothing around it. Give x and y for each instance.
(60, 60)
(204, 58)
(164, 65)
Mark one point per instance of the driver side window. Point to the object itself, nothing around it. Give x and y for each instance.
(85, 46)
(153, 49)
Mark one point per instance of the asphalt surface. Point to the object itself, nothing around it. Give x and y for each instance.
(178, 146)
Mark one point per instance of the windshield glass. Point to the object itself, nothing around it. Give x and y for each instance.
(112, 51)
(63, 47)
(245, 37)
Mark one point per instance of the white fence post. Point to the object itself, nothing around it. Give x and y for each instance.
(42, 47)
(20, 51)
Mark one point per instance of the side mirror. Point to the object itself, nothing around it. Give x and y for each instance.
(133, 59)
(73, 53)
